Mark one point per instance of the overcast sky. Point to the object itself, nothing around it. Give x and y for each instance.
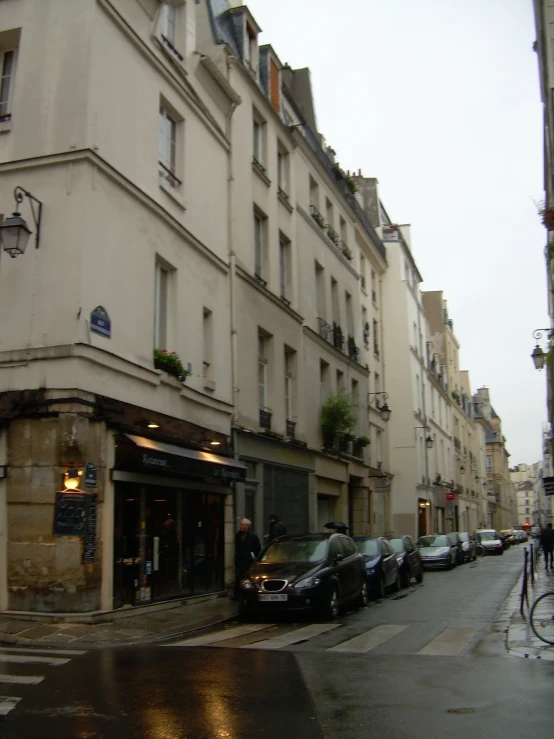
(440, 100)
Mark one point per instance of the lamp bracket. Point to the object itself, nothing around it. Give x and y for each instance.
(19, 194)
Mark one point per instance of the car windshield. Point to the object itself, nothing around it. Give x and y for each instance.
(432, 541)
(368, 546)
(296, 550)
(464, 537)
(397, 545)
(488, 535)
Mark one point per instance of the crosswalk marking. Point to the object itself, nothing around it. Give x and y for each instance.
(21, 679)
(28, 650)
(198, 641)
(449, 643)
(7, 703)
(370, 639)
(24, 658)
(293, 637)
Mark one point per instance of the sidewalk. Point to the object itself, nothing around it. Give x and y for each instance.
(520, 639)
(125, 627)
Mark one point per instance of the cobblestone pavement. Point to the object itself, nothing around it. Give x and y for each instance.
(129, 626)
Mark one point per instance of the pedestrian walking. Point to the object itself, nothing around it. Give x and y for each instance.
(276, 528)
(547, 543)
(247, 548)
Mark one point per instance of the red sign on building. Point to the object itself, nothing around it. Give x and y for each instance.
(450, 496)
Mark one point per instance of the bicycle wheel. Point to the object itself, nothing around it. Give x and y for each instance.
(541, 617)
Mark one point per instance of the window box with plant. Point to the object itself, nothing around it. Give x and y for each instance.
(546, 212)
(456, 396)
(169, 362)
(318, 218)
(338, 337)
(337, 419)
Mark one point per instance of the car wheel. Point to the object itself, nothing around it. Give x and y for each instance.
(450, 565)
(364, 595)
(419, 576)
(333, 604)
(396, 585)
(501, 551)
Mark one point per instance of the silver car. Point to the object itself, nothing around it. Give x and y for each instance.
(490, 541)
(437, 552)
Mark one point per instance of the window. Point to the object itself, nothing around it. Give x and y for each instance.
(251, 48)
(329, 212)
(320, 290)
(275, 87)
(362, 272)
(335, 301)
(340, 381)
(373, 287)
(323, 381)
(7, 70)
(207, 336)
(168, 25)
(375, 338)
(488, 464)
(167, 148)
(259, 247)
(314, 193)
(378, 447)
(377, 381)
(355, 393)
(258, 141)
(289, 369)
(161, 307)
(283, 170)
(527, 510)
(262, 370)
(406, 272)
(284, 267)
(349, 314)
(365, 327)
(342, 229)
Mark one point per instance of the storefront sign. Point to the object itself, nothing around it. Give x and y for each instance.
(91, 476)
(548, 485)
(100, 322)
(450, 496)
(174, 464)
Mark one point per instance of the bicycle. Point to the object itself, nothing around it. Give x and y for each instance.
(541, 617)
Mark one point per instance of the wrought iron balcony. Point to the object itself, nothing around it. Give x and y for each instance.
(333, 235)
(345, 444)
(265, 419)
(358, 449)
(316, 215)
(338, 337)
(353, 350)
(291, 426)
(325, 330)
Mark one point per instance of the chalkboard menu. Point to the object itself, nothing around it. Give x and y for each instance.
(75, 515)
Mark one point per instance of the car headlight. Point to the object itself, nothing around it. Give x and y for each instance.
(308, 582)
(371, 571)
(247, 584)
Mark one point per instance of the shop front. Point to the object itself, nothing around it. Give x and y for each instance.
(171, 505)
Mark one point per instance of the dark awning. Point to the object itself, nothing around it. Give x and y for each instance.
(172, 459)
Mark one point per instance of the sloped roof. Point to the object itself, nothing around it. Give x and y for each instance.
(223, 27)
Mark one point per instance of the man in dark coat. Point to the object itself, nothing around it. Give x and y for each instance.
(247, 548)
(276, 528)
(547, 542)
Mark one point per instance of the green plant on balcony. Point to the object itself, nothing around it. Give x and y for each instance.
(546, 213)
(169, 362)
(337, 417)
(456, 396)
(363, 440)
(351, 185)
(347, 252)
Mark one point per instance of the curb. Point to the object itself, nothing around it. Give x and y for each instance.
(14, 641)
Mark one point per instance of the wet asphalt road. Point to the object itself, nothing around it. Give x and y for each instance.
(157, 693)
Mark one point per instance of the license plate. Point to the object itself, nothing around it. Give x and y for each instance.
(272, 597)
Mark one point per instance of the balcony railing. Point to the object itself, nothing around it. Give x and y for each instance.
(316, 215)
(338, 337)
(259, 166)
(358, 449)
(325, 331)
(333, 235)
(353, 350)
(167, 174)
(265, 419)
(291, 426)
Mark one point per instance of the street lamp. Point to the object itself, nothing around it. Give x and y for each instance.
(428, 439)
(383, 409)
(538, 356)
(14, 232)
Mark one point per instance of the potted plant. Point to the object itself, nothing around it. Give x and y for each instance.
(337, 418)
(169, 362)
(363, 440)
(456, 396)
(347, 253)
(546, 212)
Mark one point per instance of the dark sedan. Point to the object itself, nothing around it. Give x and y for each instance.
(310, 572)
(409, 560)
(381, 564)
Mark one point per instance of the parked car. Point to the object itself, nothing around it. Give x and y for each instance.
(490, 541)
(456, 539)
(468, 546)
(535, 532)
(309, 572)
(520, 536)
(409, 561)
(508, 537)
(381, 564)
(438, 551)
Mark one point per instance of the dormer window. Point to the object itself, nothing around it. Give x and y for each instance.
(251, 48)
(168, 25)
(170, 29)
